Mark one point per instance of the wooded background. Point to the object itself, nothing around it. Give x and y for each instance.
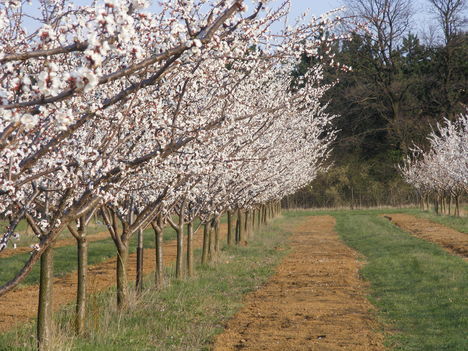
(400, 87)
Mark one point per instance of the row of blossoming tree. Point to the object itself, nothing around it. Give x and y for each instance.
(150, 117)
(441, 172)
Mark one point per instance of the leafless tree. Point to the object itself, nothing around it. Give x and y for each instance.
(387, 20)
(451, 15)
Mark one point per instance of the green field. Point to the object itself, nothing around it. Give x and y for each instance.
(419, 290)
(183, 316)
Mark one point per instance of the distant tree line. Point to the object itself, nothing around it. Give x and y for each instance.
(400, 86)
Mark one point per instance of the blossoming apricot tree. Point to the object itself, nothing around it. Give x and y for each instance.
(441, 171)
(188, 109)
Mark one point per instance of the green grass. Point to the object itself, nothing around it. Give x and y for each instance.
(65, 257)
(457, 223)
(419, 289)
(185, 315)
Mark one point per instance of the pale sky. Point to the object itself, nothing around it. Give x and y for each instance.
(318, 7)
(421, 21)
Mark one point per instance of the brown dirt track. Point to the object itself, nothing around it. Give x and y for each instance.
(451, 240)
(20, 305)
(315, 301)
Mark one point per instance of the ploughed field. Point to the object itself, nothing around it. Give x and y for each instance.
(337, 280)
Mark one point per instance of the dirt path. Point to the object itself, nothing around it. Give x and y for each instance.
(20, 305)
(59, 243)
(451, 240)
(315, 301)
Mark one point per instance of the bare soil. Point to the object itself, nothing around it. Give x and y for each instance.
(20, 305)
(315, 301)
(450, 239)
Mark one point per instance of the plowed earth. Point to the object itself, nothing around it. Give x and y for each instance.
(450, 239)
(315, 301)
(20, 305)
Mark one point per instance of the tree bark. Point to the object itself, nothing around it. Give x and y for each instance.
(139, 263)
(253, 219)
(180, 252)
(190, 249)
(82, 246)
(211, 241)
(122, 279)
(259, 218)
(229, 229)
(206, 233)
(237, 238)
(44, 313)
(159, 269)
(246, 225)
(449, 205)
(240, 227)
(216, 236)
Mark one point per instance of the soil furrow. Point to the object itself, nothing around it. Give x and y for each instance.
(450, 239)
(315, 301)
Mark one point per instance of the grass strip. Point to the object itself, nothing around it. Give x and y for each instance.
(185, 315)
(420, 290)
(457, 223)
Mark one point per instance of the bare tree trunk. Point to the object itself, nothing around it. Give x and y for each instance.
(121, 273)
(229, 230)
(179, 228)
(210, 241)
(216, 236)
(253, 220)
(237, 229)
(240, 227)
(259, 218)
(158, 240)
(139, 263)
(82, 246)
(82, 264)
(44, 313)
(180, 252)
(246, 225)
(206, 234)
(190, 249)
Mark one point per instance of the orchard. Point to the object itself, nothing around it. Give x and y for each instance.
(195, 116)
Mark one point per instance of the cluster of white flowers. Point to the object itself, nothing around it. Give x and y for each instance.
(442, 169)
(111, 104)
